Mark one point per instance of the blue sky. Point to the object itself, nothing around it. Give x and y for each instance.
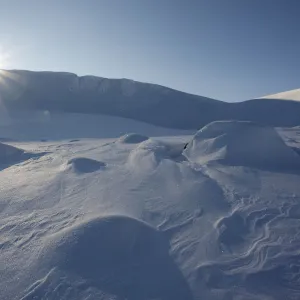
(226, 49)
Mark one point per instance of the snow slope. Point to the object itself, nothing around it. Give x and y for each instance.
(66, 92)
(103, 219)
(289, 95)
(150, 103)
(41, 125)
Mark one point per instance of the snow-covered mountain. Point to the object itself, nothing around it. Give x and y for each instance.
(154, 104)
(66, 92)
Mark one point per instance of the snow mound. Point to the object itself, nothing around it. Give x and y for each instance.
(119, 255)
(151, 152)
(9, 153)
(161, 149)
(85, 165)
(241, 143)
(132, 138)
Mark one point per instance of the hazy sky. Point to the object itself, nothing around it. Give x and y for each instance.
(225, 49)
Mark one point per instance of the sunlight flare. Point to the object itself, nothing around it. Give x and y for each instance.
(4, 58)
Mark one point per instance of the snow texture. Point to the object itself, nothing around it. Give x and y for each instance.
(84, 216)
(120, 255)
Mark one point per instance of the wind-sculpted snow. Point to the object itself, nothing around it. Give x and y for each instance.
(116, 254)
(10, 155)
(85, 165)
(152, 152)
(155, 221)
(243, 144)
(260, 247)
(132, 138)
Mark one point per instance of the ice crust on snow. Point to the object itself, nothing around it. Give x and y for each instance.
(241, 143)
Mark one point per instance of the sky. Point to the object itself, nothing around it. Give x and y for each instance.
(230, 50)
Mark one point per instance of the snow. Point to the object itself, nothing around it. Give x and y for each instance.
(289, 95)
(241, 143)
(66, 92)
(132, 138)
(54, 92)
(99, 219)
(8, 153)
(85, 165)
(85, 214)
(41, 125)
(115, 252)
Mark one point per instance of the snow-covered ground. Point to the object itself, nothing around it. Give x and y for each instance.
(87, 212)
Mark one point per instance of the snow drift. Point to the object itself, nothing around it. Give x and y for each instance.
(8, 153)
(241, 143)
(153, 224)
(85, 165)
(150, 153)
(119, 255)
(132, 138)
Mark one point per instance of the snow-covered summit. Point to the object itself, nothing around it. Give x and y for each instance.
(289, 95)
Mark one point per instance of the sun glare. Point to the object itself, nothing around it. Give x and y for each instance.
(1, 62)
(4, 58)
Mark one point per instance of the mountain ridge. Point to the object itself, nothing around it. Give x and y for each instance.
(150, 103)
